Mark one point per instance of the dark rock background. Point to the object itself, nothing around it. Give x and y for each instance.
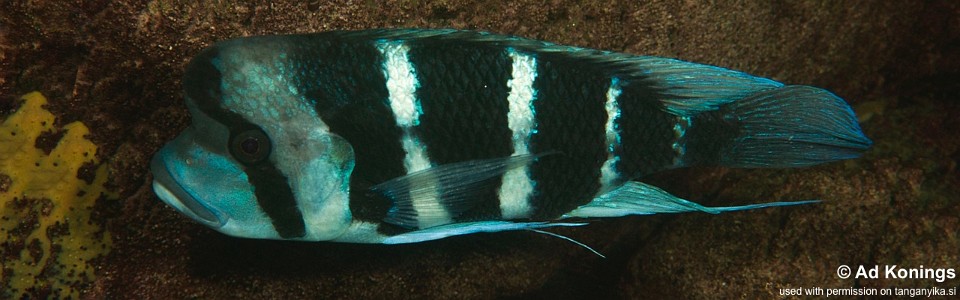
(116, 66)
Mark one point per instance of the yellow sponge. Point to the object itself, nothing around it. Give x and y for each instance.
(48, 237)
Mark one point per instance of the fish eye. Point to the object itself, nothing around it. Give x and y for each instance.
(250, 146)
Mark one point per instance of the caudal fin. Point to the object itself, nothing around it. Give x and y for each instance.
(791, 126)
(788, 126)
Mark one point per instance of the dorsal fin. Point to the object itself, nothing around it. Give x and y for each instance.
(686, 88)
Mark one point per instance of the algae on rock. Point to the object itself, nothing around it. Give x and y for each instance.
(50, 179)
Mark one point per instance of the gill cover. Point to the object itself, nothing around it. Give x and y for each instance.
(256, 161)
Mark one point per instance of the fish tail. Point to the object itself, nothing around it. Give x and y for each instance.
(790, 126)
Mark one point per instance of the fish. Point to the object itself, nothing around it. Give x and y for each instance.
(395, 136)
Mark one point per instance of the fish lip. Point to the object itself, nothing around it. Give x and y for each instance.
(171, 191)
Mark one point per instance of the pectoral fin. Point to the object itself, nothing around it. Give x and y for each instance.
(425, 198)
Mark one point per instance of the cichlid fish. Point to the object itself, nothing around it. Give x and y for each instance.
(402, 136)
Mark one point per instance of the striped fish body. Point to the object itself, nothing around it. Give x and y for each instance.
(395, 136)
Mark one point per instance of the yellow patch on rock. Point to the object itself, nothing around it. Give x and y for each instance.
(47, 196)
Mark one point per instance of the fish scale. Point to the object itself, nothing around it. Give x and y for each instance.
(462, 92)
(702, 141)
(379, 156)
(571, 120)
(646, 132)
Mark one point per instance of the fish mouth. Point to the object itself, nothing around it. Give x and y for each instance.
(170, 191)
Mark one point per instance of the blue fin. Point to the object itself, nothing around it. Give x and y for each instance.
(687, 87)
(637, 198)
(454, 184)
(444, 231)
(793, 126)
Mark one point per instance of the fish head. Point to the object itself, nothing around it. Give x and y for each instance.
(256, 160)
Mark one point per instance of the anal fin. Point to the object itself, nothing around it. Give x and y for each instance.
(637, 198)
